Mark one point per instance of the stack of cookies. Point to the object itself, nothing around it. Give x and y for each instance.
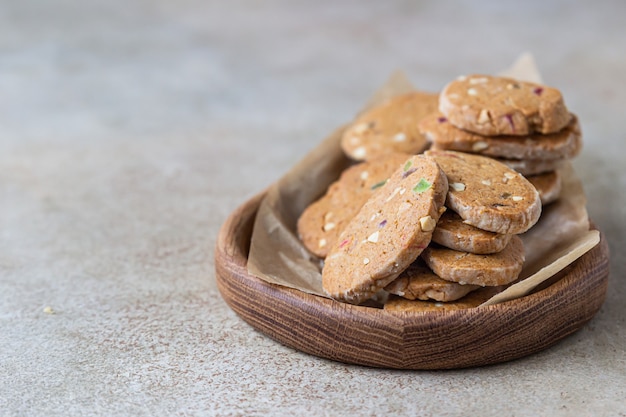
(475, 248)
(436, 226)
(439, 230)
(523, 125)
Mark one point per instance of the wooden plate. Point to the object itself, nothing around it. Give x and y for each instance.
(428, 340)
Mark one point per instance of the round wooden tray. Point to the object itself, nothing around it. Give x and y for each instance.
(426, 340)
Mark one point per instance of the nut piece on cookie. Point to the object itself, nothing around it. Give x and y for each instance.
(486, 270)
(418, 282)
(493, 106)
(388, 233)
(493, 196)
(453, 233)
(389, 127)
(321, 223)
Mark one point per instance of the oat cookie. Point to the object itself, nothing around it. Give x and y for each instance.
(528, 167)
(493, 106)
(468, 268)
(488, 194)
(321, 222)
(418, 282)
(473, 299)
(566, 143)
(388, 233)
(390, 127)
(453, 233)
(548, 186)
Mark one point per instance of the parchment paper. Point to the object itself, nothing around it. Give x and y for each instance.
(277, 255)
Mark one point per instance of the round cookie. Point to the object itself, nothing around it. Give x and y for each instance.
(453, 233)
(548, 186)
(473, 299)
(418, 282)
(566, 143)
(528, 167)
(488, 194)
(494, 106)
(388, 233)
(322, 221)
(486, 270)
(389, 127)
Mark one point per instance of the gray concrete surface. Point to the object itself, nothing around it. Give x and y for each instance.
(129, 130)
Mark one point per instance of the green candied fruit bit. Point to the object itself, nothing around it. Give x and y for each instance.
(422, 186)
(378, 184)
(407, 165)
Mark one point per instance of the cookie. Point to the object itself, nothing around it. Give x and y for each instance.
(473, 299)
(548, 186)
(388, 233)
(418, 282)
(488, 194)
(566, 143)
(467, 268)
(453, 233)
(528, 167)
(389, 127)
(322, 221)
(494, 106)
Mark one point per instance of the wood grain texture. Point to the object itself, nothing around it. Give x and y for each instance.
(426, 340)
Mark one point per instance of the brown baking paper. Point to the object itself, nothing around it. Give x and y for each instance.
(278, 257)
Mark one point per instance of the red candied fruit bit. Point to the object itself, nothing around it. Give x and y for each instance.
(538, 90)
(509, 118)
(344, 243)
(382, 224)
(442, 119)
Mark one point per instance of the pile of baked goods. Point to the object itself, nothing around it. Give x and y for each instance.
(440, 189)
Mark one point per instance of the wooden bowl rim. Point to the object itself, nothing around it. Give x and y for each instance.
(231, 265)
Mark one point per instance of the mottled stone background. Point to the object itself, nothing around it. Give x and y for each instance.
(129, 130)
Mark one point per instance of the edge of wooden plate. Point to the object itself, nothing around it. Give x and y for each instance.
(427, 340)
